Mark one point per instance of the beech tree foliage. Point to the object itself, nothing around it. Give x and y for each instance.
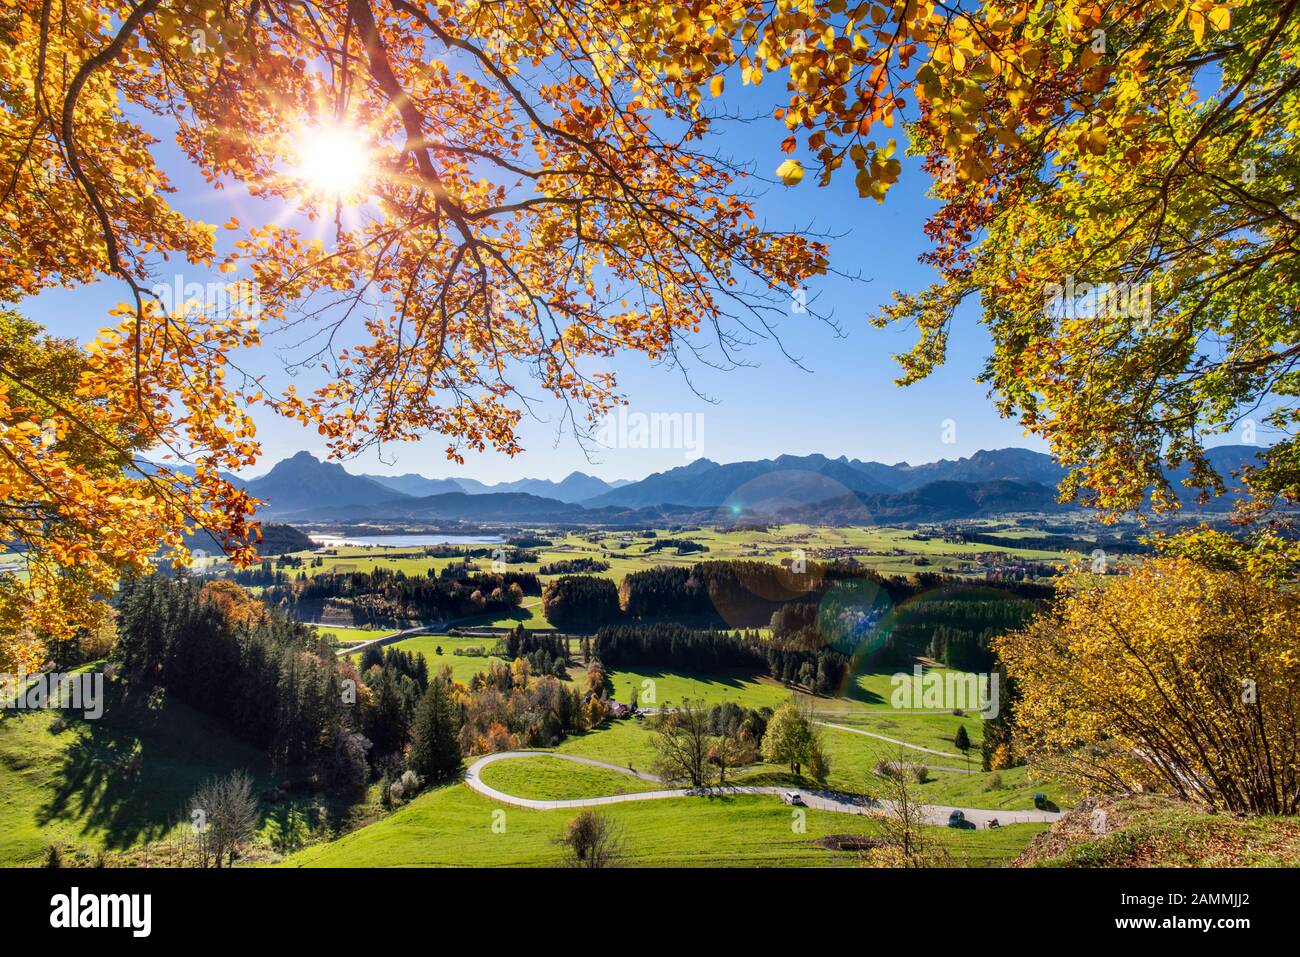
(1119, 205)
(1175, 678)
(538, 188)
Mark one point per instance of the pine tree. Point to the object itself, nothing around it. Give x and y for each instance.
(435, 745)
(962, 739)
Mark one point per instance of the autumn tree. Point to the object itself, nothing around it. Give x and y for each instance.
(727, 752)
(1124, 226)
(905, 841)
(516, 194)
(67, 440)
(682, 745)
(1176, 678)
(531, 194)
(790, 739)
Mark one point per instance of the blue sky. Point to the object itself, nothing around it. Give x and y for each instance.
(844, 404)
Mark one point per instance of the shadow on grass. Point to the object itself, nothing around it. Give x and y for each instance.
(733, 679)
(129, 774)
(120, 778)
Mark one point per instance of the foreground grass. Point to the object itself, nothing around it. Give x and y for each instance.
(453, 827)
(1154, 831)
(121, 785)
(109, 784)
(552, 779)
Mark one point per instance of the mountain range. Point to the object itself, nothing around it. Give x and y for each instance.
(574, 488)
(811, 488)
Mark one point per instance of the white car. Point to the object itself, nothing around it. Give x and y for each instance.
(793, 797)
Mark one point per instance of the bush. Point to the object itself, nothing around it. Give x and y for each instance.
(593, 840)
(994, 783)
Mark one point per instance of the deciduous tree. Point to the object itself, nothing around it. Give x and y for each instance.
(1177, 677)
(682, 745)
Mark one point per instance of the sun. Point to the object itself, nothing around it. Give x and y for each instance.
(334, 162)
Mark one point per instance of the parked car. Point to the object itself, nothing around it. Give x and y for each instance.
(957, 819)
(1040, 801)
(793, 798)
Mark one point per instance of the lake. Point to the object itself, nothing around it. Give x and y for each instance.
(404, 541)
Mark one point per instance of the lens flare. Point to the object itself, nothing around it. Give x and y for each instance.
(856, 617)
(333, 162)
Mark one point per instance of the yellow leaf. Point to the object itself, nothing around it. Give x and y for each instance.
(791, 172)
(1220, 18)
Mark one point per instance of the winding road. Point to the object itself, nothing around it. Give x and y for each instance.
(821, 800)
(437, 628)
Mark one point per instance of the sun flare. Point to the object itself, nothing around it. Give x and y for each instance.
(334, 162)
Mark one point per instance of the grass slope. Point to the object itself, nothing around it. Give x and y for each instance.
(109, 784)
(1154, 831)
(453, 827)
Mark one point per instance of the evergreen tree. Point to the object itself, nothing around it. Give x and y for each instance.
(961, 740)
(435, 740)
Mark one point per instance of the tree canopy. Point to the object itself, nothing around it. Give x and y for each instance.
(539, 188)
(1118, 191)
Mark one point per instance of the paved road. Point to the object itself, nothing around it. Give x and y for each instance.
(881, 737)
(436, 628)
(821, 800)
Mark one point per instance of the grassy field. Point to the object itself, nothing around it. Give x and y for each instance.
(350, 636)
(109, 784)
(463, 667)
(550, 779)
(116, 784)
(853, 760)
(891, 551)
(652, 688)
(453, 827)
(121, 784)
(853, 749)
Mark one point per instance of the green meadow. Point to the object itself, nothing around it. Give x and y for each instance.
(890, 551)
(456, 827)
(550, 779)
